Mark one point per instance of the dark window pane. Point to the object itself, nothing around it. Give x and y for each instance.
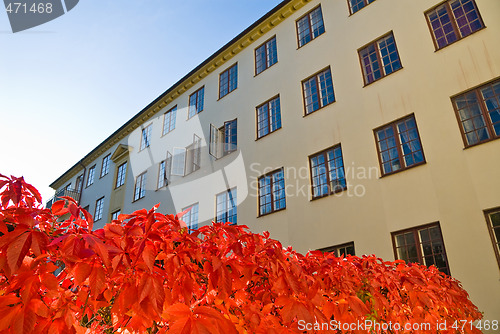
(428, 249)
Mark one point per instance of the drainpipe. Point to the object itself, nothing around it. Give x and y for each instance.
(83, 180)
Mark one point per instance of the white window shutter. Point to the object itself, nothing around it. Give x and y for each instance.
(179, 161)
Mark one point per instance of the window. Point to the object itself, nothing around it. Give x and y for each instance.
(399, 146)
(193, 156)
(223, 140)
(340, 250)
(164, 171)
(226, 207)
(230, 136)
(422, 245)
(79, 183)
(114, 215)
(179, 161)
(310, 26)
(105, 165)
(453, 20)
(355, 5)
(268, 117)
(99, 204)
(266, 55)
(191, 217)
(162, 175)
(318, 91)
(120, 175)
(327, 172)
(272, 192)
(90, 178)
(478, 113)
(379, 59)
(493, 220)
(140, 187)
(169, 120)
(146, 136)
(196, 101)
(228, 81)
(186, 160)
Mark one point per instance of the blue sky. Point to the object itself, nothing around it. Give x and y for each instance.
(65, 86)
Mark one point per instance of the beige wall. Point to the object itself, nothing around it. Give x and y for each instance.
(452, 188)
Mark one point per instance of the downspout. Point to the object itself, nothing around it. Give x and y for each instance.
(83, 180)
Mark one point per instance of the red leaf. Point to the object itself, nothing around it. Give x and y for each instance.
(81, 272)
(149, 255)
(358, 306)
(39, 242)
(178, 311)
(97, 279)
(8, 315)
(34, 191)
(58, 208)
(181, 326)
(99, 247)
(39, 308)
(50, 281)
(17, 250)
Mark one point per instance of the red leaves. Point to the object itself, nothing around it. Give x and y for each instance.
(200, 320)
(145, 271)
(18, 192)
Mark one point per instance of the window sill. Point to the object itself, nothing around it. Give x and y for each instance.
(224, 155)
(458, 40)
(385, 76)
(220, 98)
(137, 200)
(191, 117)
(257, 74)
(333, 193)
(267, 134)
(403, 169)
(315, 38)
(481, 142)
(270, 213)
(191, 172)
(351, 13)
(326, 105)
(165, 134)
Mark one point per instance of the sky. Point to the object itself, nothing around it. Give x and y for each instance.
(68, 84)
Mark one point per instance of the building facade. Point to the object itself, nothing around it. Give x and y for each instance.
(352, 126)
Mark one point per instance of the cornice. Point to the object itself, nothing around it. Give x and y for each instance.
(225, 54)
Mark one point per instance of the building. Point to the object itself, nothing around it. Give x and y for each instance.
(360, 126)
